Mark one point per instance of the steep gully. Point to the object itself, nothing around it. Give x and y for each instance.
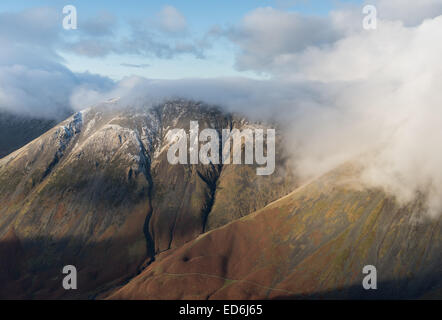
(210, 178)
(145, 168)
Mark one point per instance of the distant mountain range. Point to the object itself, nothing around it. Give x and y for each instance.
(96, 191)
(18, 130)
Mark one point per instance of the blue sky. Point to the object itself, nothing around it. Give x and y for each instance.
(200, 16)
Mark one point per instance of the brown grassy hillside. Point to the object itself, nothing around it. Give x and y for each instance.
(310, 244)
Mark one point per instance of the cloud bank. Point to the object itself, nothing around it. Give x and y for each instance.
(341, 93)
(33, 79)
(344, 94)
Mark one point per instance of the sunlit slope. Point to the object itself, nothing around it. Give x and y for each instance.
(310, 244)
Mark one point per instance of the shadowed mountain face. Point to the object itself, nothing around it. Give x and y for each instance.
(312, 243)
(16, 131)
(97, 192)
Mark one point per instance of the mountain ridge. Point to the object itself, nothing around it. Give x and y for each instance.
(291, 249)
(96, 184)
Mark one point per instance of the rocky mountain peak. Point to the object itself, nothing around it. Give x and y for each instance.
(98, 187)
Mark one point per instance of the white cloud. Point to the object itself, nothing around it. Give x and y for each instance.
(409, 12)
(369, 95)
(340, 91)
(103, 24)
(33, 79)
(31, 26)
(268, 36)
(164, 37)
(380, 96)
(43, 90)
(171, 20)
